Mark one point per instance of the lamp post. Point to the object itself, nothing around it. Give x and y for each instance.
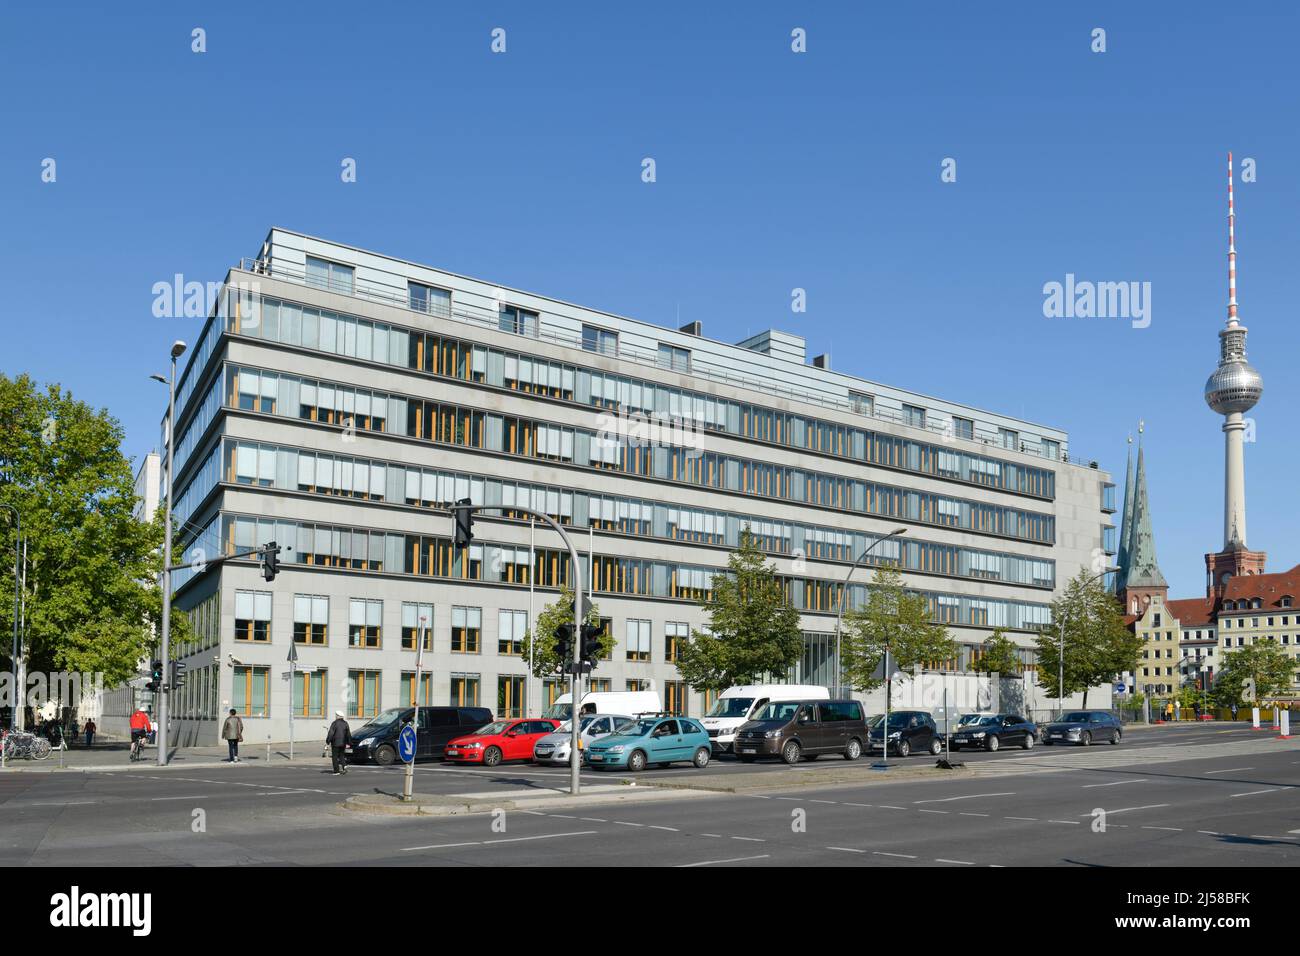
(178, 349)
(839, 615)
(1060, 674)
(14, 718)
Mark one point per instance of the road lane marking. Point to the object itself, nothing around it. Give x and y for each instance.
(846, 849)
(1229, 770)
(624, 823)
(197, 796)
(1149, 806)
(544, 836)
(1117, 783)
(1170, 829)
(749, 839)
(669, 829)
(901, 856)
(1251, 793)
(734, 859)
(961, 862)
(1030, 819)
(973, 814)
(972, 796)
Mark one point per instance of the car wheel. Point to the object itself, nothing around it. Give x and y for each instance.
(491, 756)
(1086, 740)
(385, 756)
(636, 761)
(902, 748)
(992, 743)
(1115, 737)
(790, 752)
(702, 757)
(936, 746)
(854, 750)
(1028, 742)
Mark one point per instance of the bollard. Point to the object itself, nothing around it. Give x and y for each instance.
(268, 748)
(1284, 725)
(1254, 718)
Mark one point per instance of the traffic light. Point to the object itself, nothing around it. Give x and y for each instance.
(589, 652)
(464, 523)
(155, 681)
(270, 561)
(564, 645)
(177, 676)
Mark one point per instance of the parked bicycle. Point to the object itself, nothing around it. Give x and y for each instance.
(27, 746)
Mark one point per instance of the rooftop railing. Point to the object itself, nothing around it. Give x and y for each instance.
(485, 318)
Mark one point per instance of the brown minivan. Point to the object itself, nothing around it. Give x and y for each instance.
(793, 729)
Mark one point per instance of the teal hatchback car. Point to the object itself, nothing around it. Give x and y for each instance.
(650, 740)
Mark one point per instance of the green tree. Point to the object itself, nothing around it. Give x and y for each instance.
(753, 629)
(93, 601)
(1098, 645)
(1000, 656)
(1266, 663)
(540, 643)
(894, 619)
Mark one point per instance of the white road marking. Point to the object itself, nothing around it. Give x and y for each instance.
(734, 859)
(1117, 783)
(1170, 829)
(974, 814)
(544, 836)
(1229, 770)
(962, 862)
(1251, 793)
(1149, 806)
(933, 811)
(901, 856)
(1030, 819)
(716, 836)
(197, 796)
(749, 839)
(846, 849)
(972, 796)
(669, 829)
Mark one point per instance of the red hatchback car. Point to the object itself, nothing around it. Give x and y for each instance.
(500, 740)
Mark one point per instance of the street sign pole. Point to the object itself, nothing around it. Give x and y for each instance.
(293, 678)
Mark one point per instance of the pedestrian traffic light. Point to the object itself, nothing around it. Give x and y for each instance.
(155, 677)
(177, 676)
(589, 651)
(564, 645)
(270, 561)
(464, 523)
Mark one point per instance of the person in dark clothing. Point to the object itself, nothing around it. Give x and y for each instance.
(338, 737)
(232, 732)
(89, 730)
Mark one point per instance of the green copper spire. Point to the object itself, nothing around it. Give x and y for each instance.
(1143, 571)
(1126, 520)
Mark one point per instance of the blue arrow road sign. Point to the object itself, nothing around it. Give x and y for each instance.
(406, 743)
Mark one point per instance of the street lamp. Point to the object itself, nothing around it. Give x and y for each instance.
(15, 721)
(1060, 675)
(839, 615)
(178, 349)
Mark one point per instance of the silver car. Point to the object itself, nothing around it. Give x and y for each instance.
(554, 748)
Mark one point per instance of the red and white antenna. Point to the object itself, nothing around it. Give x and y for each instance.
(1232, 253)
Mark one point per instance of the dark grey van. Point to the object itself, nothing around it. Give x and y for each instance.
(377, 739)
(803, 729)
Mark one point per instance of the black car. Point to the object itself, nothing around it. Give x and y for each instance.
(909, 731)
(377, 739)
(1084, 727)
(803, 729)
(993, 731)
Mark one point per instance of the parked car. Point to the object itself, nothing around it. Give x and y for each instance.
(743, 702)
(376, 739)
(500, 740)
(650, 740)
(992, 731)
(554, 748)
(909, 730)
(803, 729)
(634, 702)
(1084, 727)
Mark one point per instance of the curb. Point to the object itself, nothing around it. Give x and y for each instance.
(450, 806)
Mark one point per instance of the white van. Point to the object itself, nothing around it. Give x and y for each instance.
(739, 704)
(630, 702)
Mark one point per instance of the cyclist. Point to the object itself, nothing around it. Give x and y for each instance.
(140, 729)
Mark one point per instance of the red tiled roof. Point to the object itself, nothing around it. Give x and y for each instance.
(1192, 612)
(1269, 588)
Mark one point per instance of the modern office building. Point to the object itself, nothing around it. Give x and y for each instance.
(337, 401)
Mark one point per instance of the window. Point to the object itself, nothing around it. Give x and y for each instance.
(963, 427)
(1008, 438)
(675, 697)
(634, 684)
(638, 640)
(407, 696)
(518, 321)
(362, 692)
(600, 685)
(672, 357)
(511, 627)
(595, 339)
(862, 403)
(329, 275)
(311, 614)
(249, 691)
(464, 690)
(309, 693)
(417, 618)
(675, 634)
(253, 616)
(364, 620)
(510, 696)
(1156, 620)
(914, 416)
(466, 629)
(425, 298)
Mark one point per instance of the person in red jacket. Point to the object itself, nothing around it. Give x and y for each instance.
(140, 727)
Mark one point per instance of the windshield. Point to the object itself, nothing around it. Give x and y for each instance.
(636, 728)
(778, 711)
(1079, 717)
(895, 720)
(982, 722)
(556, 712)
(965, 719)
(496, 727)
(731, 707)
(388, 717)
(567, 726)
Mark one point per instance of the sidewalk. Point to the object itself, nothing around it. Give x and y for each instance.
(115, 757)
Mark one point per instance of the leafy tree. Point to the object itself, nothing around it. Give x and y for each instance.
(541, 643)
(93, 602)
(1098, 645)
(892, 619)
(1000, 656)
(1266, 663)
(753, 629)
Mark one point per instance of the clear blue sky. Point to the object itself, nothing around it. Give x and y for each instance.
(775, 171)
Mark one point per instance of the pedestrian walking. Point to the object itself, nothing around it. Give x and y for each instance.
(1169, 710)
(338, 737)
(1233, 708)
(232, 732)
(1178, 710)
(89, 730)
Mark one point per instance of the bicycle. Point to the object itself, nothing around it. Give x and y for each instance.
(137, 747)
(25, 745)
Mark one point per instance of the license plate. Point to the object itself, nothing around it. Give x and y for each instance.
(452, 753)
(748, 750)
(1057, 736)
(543, 751)
(959, 740)
(595, 758)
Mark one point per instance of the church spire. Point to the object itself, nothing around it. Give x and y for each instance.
(1126, 520)
(1144, 572)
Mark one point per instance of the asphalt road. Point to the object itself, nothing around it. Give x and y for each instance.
(1185, 796)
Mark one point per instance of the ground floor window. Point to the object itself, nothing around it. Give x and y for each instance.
(552, 688)
(465, 690)
(362, 692)
(675, 697)
(636, 683)
(408, 688)
(510, 695)
(309, 693)
(601, 685)
(249, 691)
